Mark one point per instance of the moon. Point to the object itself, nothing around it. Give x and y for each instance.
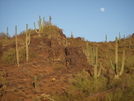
(102, 9)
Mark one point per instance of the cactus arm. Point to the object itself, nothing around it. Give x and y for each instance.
(26, 42)
(112, 65)
(34, 26)
(96, 57)
(99, 72)
(36, 30)
(116, 56)
(123, 60)
(43, 20)
(50, 20)
(7, 33)
(95, 71)
(35, 81)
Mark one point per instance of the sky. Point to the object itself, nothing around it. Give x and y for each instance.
(91, 19)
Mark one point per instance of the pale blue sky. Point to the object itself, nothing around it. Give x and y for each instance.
(82, 17)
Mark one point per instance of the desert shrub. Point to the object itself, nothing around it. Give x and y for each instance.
(3, 35)
(51, 31)
(82, 83)
(123, 91)
(2, 79)
(82, 86)
(4, 38)
(76, 42)
(23, 33)
(9, 57)
(62, 97)
(129, 62)
(29, 31)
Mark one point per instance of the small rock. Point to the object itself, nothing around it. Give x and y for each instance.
(53, 79)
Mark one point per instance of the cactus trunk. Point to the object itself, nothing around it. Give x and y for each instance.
(116, 59)
(106, 38)
(27, 42)
(7, 35)
(35, 81)
(17, 49)
(96, 72)
(116, 56)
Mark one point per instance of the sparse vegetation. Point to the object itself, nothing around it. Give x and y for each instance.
(68, 69)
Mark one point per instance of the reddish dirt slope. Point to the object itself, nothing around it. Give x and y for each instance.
(53, 64)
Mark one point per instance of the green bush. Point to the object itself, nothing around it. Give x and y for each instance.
(51, 31)
(82, 86)
(123, 91)
(9, 57)
(31, 31)
(129, 63)
(3, 35)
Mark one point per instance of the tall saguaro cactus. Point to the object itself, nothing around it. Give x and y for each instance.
(87, 50)
(115, 66)
(36, 30)
(50, 20)
(96, 72)
(7, 34)
(116, 56)
(44, 21)
(27, 42)
(17, 49)
(130, 42)
(40, 25)
(105, 38)
(92, 54)
(119, 36)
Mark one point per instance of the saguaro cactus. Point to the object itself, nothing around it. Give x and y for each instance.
(40, 25)
(119, 37)
(72, 36)
(35, 81)
(92, 54)
(7, 35)
(116, 56)
(87, 50)
(17, 49)
(115, 66)
(50, 20)
(96, 72)
(44, 22)
(123, 62)
(130, 42)
(105, 38)
(27, 42)
(66, 43)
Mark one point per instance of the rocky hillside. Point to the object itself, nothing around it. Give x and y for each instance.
(54, 60)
